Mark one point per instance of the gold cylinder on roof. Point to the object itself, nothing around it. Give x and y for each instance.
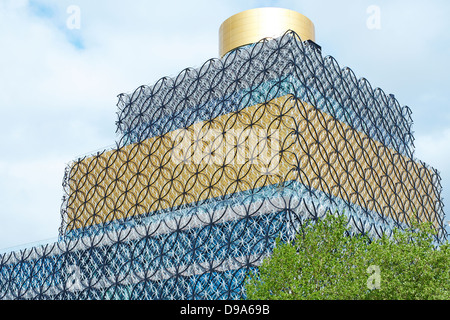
(252, 25)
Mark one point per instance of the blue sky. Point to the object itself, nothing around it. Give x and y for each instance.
(59, 85)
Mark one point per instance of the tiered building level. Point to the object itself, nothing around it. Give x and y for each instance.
(216, 163)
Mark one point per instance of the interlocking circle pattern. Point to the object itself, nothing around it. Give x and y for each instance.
(216, 163)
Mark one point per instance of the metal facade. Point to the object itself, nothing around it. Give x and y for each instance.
(215, 164)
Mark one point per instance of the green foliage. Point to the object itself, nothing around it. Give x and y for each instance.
(326, 262)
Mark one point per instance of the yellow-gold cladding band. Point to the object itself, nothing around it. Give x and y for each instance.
(324, 154)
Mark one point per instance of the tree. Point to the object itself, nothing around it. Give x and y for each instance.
(327, 261)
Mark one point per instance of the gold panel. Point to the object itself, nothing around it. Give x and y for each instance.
(253, 25)
(324, 154)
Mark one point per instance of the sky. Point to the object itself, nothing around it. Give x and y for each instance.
(63, 63)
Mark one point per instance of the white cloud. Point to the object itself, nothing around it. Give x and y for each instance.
(58, 101)
(31, 198)
(434, 149)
